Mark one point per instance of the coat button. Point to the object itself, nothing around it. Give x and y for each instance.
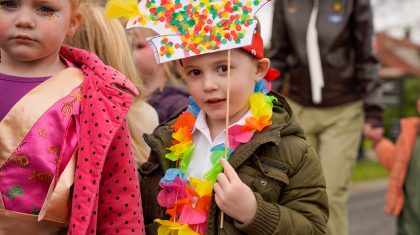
(145, 166)
(263, 182)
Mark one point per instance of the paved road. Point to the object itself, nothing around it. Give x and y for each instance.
(366, 210)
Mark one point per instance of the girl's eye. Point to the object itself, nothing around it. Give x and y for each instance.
(140, 46)
(46, 10)
(222, 69)
(8, 5)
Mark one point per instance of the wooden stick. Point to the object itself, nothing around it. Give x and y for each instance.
(227, 124)
(227, 107)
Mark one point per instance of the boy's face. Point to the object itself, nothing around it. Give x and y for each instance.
(31, 30)
(206, 79)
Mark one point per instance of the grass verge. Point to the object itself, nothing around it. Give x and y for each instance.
(368, 170)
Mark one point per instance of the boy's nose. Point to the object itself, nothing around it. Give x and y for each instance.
(209, 84)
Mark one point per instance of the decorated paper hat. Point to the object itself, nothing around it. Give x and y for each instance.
(191, 27)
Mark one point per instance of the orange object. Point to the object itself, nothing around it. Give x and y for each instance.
(396, 157)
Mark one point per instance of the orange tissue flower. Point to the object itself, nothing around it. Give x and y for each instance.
(254, 124)
(186, 119)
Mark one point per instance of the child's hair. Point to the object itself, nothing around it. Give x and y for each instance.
(107, 39)
(75, 4)
(102, 2)
(171, 69)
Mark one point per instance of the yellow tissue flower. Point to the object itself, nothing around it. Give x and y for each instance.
(201, 187)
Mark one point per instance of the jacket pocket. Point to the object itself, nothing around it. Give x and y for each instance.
(266, 177)
(275, 170)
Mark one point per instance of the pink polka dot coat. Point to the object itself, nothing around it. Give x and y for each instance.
(106, 197)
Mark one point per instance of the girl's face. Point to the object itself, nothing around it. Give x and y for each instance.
(206, 79)
(144, 59)
(34, 30)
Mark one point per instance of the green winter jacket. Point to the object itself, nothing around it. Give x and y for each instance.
(277, 164)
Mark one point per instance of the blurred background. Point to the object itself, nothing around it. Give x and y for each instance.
(397, 45)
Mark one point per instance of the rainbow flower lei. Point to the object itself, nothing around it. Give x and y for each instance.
(188, 201)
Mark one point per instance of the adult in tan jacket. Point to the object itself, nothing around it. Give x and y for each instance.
(324, 49)
(402, 159)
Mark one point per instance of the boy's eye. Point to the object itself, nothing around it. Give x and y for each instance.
(8, 5)
(222, 69)
(194, 72)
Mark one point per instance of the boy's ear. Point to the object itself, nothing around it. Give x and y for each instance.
(74, 24)
(262, 68)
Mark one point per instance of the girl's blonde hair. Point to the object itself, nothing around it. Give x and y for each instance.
(74, 5)
(107, 39)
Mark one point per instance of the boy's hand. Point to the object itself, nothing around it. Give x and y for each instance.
(234, 197)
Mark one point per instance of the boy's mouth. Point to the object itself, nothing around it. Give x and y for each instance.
(215, 101)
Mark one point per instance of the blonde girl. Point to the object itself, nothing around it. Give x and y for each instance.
(65, 151)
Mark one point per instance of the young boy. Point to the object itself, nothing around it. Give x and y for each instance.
(273, 182)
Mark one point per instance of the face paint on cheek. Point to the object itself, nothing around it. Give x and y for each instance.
(1, 10)
(53, 16)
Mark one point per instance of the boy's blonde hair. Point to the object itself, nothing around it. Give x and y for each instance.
(107, 39)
